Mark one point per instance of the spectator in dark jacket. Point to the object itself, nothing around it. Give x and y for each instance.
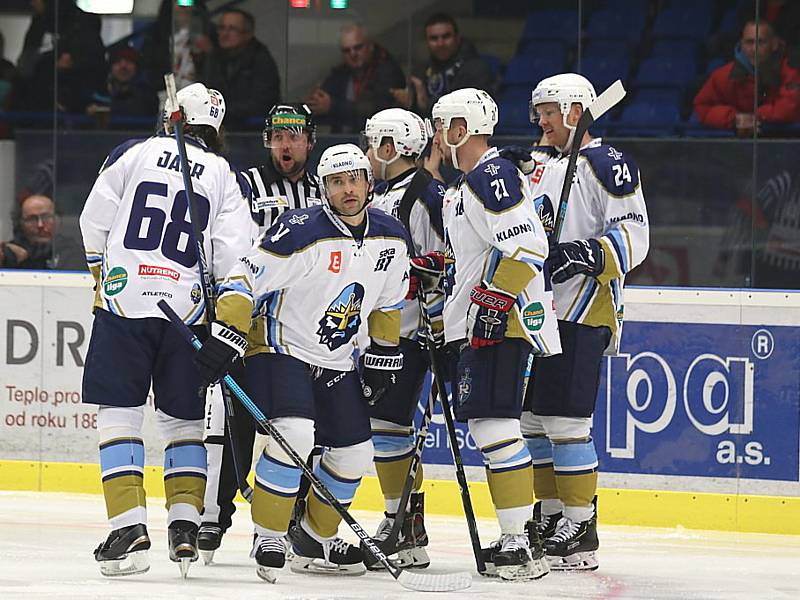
(76, 54)
(726, 100)
(128, 97)
(454, 64)
(242, 69)
(359, 87)
(181, 37)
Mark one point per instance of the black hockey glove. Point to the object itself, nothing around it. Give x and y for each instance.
(427, 272)
(223, 347)
(381, 364)
(520, 156)
(568, 259)
(487, 316)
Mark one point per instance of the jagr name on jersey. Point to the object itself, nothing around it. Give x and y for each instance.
(173, 162)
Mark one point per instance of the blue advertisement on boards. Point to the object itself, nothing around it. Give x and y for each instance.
(689, 399)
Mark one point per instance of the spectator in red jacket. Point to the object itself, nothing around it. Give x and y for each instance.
(726, 100)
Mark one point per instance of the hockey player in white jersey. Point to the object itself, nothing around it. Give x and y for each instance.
(321, 274)
(498, 311)
(605, 235)
(282, 183)
(396, 139)
(140, 249)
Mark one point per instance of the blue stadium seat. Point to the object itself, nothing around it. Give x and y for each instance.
(677, 23)
(616, 24)
(552, 24)
(684, 49)
(648, 120)
(657, 72)
(603, 71)
(729, 22)
(714, 64)
(529, 69)
(612, 49)
(657, 95)
(495, 64)
(555, 49)
(693, 128)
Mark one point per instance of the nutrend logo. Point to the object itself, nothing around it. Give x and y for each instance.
(156, 271)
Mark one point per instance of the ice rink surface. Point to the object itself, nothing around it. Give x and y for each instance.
(46, 543)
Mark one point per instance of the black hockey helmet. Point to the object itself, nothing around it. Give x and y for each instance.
(294, 116)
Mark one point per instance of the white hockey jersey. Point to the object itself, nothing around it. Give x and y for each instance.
(427, 235)
(605, 203)
(493, 233)
(314, 286)
(138, 236)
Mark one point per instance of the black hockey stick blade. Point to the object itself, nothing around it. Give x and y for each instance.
(445, 582)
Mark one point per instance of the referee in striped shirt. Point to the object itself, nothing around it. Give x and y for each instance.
(282, 183)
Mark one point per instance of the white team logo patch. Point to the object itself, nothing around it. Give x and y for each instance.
(615, 154)
(298, 219)
(492, 169)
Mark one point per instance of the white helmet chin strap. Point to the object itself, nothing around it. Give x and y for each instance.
(385, 163)
(568, 145)
(445, 131)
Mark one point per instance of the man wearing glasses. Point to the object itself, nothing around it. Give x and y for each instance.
(36, 243)
(242, 68)
(359, 86)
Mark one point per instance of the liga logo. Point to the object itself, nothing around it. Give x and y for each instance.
(156, 271)
(115, 281)
(533, 316)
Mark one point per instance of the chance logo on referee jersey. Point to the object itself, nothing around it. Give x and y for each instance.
(342, 318)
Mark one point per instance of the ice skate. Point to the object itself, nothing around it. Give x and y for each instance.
(514, 561)
(545, 525)
(408, 551)
(574, 546)
(334, 557)
(182, 544)
(270, 555)
(124, 552)
(209, 539)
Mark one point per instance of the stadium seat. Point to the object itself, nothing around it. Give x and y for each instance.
(694, 128)
(657, 95)
(648, 120)
(611, 49)
(603, 71)
(714, 64)
(616, 24)
(529, 69)
(552, 24)
(555, 49)
(677, 23)
(495, 65)
(679, 49)
(674, 72)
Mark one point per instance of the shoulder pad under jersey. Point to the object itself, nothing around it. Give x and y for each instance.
(117, 152)
(297, 229)
(496, 183)
(618, 174)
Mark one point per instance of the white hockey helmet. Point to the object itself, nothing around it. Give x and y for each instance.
(343, 158)
(565, 89)
(202, 105)
(475, 106)
(408, 132)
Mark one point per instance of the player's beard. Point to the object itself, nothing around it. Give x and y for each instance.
(299, 166)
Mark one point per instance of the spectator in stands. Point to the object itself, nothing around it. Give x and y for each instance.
(454, 64)
(242, 68)
(360, 86)
(64, 39)
(180, 51)
(37, 242)
(127, 96)
(727, 98)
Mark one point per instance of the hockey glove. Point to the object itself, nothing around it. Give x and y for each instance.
(223, 347)
(568, 259)
(381, 366)
(519, 156)
(426, 273)
(487, 315)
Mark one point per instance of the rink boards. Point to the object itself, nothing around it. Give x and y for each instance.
(697, 421)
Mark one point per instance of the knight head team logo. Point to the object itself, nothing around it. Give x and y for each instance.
(342, 318)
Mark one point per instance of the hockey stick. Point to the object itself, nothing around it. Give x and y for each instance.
(176, 118)
(404, 214)
(446, 582)
(394, 534)
(602, 104)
